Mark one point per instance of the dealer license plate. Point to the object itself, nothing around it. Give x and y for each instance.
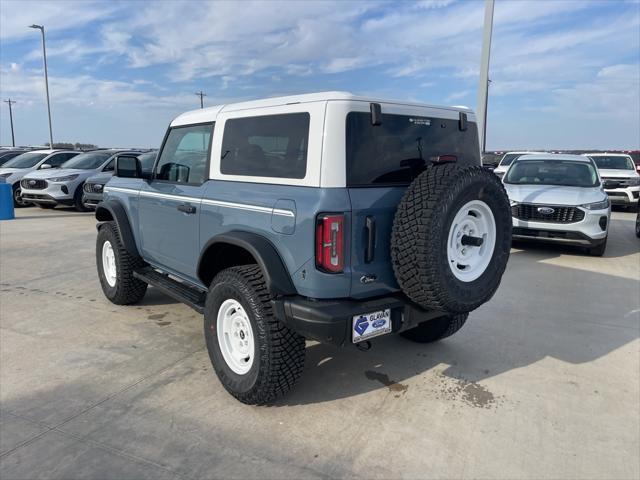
(369, 325)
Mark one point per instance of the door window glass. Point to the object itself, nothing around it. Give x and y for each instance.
(185, 154)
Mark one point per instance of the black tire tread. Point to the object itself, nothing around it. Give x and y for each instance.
(128, 289)
(282, 361)
(434, 330)
(418, 228)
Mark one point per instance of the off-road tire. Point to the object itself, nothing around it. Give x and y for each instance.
(17, 201)
(128, 289)
(420, 233)
(77, 199)
(436, 329)
(279, 352)
(598, 250)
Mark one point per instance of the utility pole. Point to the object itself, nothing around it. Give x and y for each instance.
(201, 94)
(13, 139)
(46, 79)
(483, 89)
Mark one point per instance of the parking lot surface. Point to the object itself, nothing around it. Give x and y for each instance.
(542, 382)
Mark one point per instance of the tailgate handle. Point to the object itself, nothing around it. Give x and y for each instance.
(370, 226)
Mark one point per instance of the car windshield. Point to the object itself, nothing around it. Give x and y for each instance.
(509, 158)
(87, 161)
(146, 161)
(617, 162)
(552, 172)
(26, 160)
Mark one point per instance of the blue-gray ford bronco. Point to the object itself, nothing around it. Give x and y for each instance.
(326, 217)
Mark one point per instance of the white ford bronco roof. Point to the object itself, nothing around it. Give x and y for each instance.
(210, 114)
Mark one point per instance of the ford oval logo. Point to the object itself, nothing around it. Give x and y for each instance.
(378, 323)
(32, 182)
(546, 210)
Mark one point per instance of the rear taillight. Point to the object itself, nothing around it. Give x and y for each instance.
(330, 243)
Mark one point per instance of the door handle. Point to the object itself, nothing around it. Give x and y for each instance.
(186, 208)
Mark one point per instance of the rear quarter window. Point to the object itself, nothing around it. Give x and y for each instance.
(397, 151)
(266, 146)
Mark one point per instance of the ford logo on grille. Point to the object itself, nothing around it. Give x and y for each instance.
(32, 182)
(546, 210)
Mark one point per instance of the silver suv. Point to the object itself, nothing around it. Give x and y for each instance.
(619, 176)
(64, 186)
(558, 198)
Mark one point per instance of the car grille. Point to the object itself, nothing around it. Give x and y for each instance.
(609, 182)
(33, 184)
(560, 214)
(93, 187)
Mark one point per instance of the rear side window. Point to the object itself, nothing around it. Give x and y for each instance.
(185, 154)
(266, 146)
(397, 151)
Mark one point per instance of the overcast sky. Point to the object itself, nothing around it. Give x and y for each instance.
(566, 74)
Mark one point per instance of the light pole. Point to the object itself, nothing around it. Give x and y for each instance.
(483, 88)
(46, 79)
(13, 139)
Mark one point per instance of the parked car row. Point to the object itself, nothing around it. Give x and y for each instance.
(47, 178)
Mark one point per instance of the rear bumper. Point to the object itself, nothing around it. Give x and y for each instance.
(330, 321)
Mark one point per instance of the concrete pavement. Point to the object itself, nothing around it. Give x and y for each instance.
(542, 382)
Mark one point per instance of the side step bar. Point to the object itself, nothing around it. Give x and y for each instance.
(182, 292)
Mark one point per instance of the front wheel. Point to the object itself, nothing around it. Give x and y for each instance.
(116, 267)
(256, 357)
(78, 201)
(436, 329)
(598, 250)
(18, 201)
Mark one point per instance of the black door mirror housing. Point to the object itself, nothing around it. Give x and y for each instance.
(127, 166)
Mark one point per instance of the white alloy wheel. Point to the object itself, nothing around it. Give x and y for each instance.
(472, 238)
(235, 336)
(109, 263)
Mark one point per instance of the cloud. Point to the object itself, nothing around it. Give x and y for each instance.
(17, 15)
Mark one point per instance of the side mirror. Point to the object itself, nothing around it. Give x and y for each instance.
(128, 166)
(45, 166)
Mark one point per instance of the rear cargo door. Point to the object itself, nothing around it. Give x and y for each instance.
(381, 162)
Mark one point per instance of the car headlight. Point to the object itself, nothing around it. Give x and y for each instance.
(597, 205)
(634, 181)
(68, 178)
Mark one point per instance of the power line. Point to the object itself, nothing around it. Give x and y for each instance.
(201, 94)
(11, 102)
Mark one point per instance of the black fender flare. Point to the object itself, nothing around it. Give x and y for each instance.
(112, 210)
(275, 273)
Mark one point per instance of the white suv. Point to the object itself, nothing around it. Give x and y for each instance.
(507, 159)
(619, 177)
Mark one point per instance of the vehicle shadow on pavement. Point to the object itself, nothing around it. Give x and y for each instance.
(504, 335)
(53, 215)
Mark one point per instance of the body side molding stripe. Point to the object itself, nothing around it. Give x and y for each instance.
(215, 203)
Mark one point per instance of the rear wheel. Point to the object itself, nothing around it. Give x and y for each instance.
(436, 329)
(451, 238)
(256, 357)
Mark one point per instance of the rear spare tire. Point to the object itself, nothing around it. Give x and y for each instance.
(451, 238)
